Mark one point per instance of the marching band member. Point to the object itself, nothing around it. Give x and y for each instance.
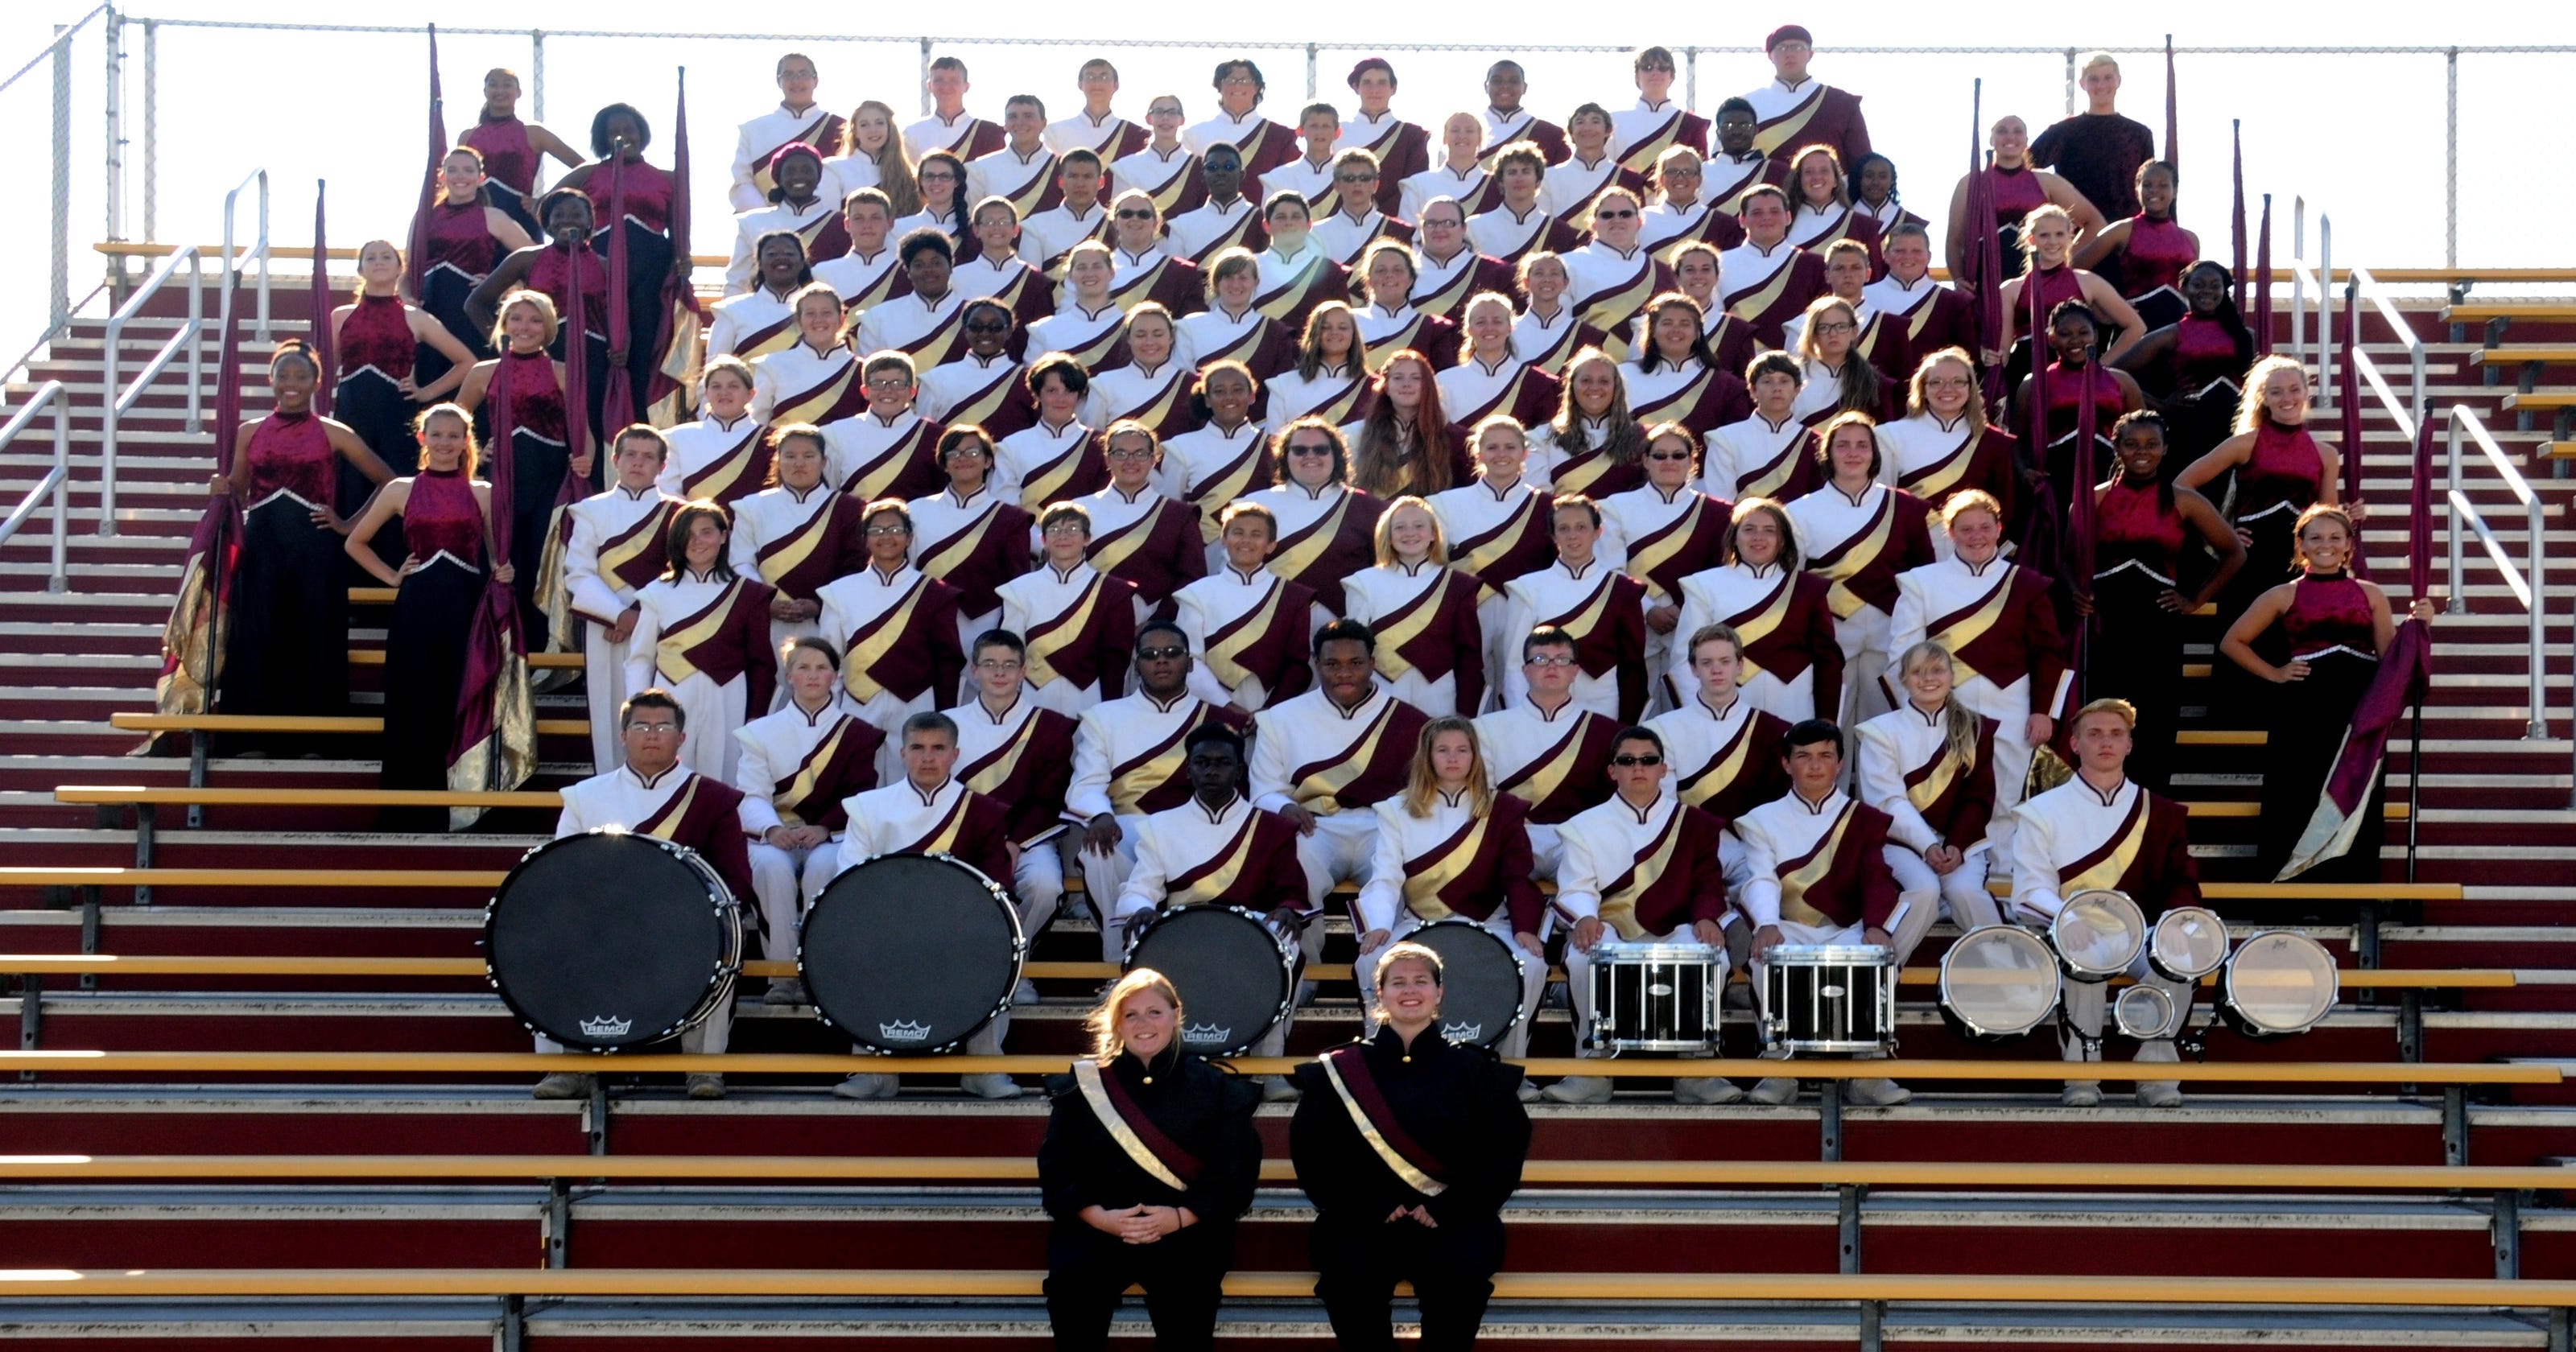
(1847, 266)
(802, 761)
(1431, 650)
(1130, 760)
(1224, 218)
(871, 154)
(1798, 109)
(1873, 194)
(2141, 520)
(967, 535)
(2193, 369)
(1247, 626)
(1593, 445)
(897, 629)
(762, 319)
(1490, 377)
(702, 634)
(1310, 175)
(1818, 874)
(1998, 622)
(1323, 757)
(1724, 751)
(1578, 180)
(1656, 124)
(1162, 168)
(1355, 224)
(1601, 608)
(950, 127)
(1544, 750)
(1077, 622)
(1390, 324)
(1460, 176)
(616, 547)
(1767, 278)
(1052, 233)
(796, 206)
(1770, 453)
(1791, 663)
(2281, 467)
(2016, 189)
(1930, 765)
(1449, 848)
(653, 794)
(1152, 386)
(926, 322)
(1022, 172)
(1916, 316)
(2149, 250)
(1230, 453)
(884, 450)
(2102, 829)
(1823, 212)
(1677, 378)
(1944, 448)
(931, 811)
(1501, 528)
(1838, 380)
(1149, 1160)
(1019, 753)
(1738, 165)
(866, 276)
(1680, 213)
(510, 150)
(1507, 122)
(465, 234)
(984, 387)
(1428, 1213)
(1326, 527)
(1662, 533)
(1549, 334)
(1096, 128)
(2099, 152)
(1695, 274)
(1858, 534)
(1058, 458)
(814, 379)
(1140, 268)
(1447, 269)
(724, 456)
(798, 533)
(1330, 377)
(2076, 379)
(997, 271)
(1262, 144)
(2048, 241)
(1406, 444)
(1640, 867)
(1521, 222)
(1087, 326)
(1137, 532)
(1297, 272)
(1232, 327)
(1399, 148)
(1615, 275)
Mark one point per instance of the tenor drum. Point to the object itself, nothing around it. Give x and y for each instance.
(2189, 943)
(1997, 983)
(911, 953)
(1480, 980)
(1234, 975)
(1656, 998)
(610, 940)
(2098, 934)
(2145, 1012)
(2278, 983)
(1829, 999)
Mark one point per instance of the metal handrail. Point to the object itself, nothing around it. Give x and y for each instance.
(2366, 287)
(233, 262)
(2458, 510)
(2315, 350)
(116, 399)
(57, 481)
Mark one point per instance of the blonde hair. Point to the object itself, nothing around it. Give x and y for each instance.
(1915, 403)
(1384, 536)
(1968, 500)
(1958, 721)
(2250, 413)
(2124, 710)
(1407, 951)
(1102, 1022)
(1421, 785)
(539, 301)
(450, 409)
(2030, 225)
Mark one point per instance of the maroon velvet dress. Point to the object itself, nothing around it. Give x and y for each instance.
(286, 648)
(2329, 627)
(510, 162)
(2136, 645)
(425, 638)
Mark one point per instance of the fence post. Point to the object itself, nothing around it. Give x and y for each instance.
(2071, 54)
(2451, 161)
(537, 82)
(926, 108)
(1313, 53)
(112, 98)
(62, 241)
(151, 130)
(1690, 77)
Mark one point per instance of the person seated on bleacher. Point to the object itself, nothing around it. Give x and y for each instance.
(615, 551)
(1320, 758)
(1130, 760)
(1543, 749)
(1723, 750)
(1219, 849)
(1930, 764)
(1819, 875)
(654, 794)
(1247, 627)
(897, 629)
(1641, 867)
(2102, 829)
(1592, 602)
(1018, 753)
(802, 761)
(1077, 621)
(931, 811)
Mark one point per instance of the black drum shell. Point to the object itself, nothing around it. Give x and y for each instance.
(1468, 975)
(959, 947)
(588, 936)
(1214, 961)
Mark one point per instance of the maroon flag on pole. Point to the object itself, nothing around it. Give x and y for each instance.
(1986, 259)
(2263, 282)
(2172, 121)
(192, 639)
(416, 255)
(666, 400)
(617, 395)
(2236, 217)
(2348, 409)
(2419, 515)
(326, 341)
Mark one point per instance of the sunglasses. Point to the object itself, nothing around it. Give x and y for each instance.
(988, 328)
(1668, 455)
(1135, 215)
(1613, 215)
(1309, 450)
(1161, 654)
(1627, 762)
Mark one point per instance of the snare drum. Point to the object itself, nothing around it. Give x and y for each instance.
(911, 953)
(2189, 943)
(1829, 999)
(1480, 980)
(1997, 983)
(2098, 933)
(1656, 998)
(2278, 983)
(1234, 976)
(609, 940)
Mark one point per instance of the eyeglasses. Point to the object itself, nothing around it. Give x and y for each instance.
(1161, 654)
(998, 664)
(936, 176)
(1163, 112)
(1835, 327)
(975, 449)
(1067, 528)
(878, 532)
(889, 384)
(1302, 451)
(1131, 452)
(1613, 215)
(1948, 383)
(1236, 81)
(988, 326)
(1135, 215)
(652, 729)
(1546, 662)
(1628, 762)
(1668, 455)
(1355, 178)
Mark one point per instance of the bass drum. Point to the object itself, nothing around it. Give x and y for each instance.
(911, 953)
(1480, 980)
(1998, 982)
(610, 939)
(2279, 982)
(1234, 976)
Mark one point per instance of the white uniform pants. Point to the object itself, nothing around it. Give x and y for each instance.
(604, 676)
(1912, 920)
(1342, 850)
(2082, 1006)
(710, 1035)
(1533, 976)
(1037, 881)
(1103, 877)
(786, 882)
(1961, 894)
(1864, 638)
(2009, 706)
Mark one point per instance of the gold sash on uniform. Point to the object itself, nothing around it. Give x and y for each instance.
(1720, 773)
(1547, 772)
(1750, 305)
(1610, 310)
(1320, 792)
(1406, 622)
(665, 821)
(1232, 480)
(1934, 482)
(1224, 647)
(1786, 129)
(1618, 907)
(1215, 880)
(989, 775)
(1805, 873)
(721, 479)
(871, 480)
(1095, 1094)
(1300, 552)
(1157, 409)
(1762, 621)
(1139, 288)
(1960, 629)
(1070, 626)
(1924, 788)
(1156, 768)
(1047, 484)
(809, 773)
(1285, 299)
(640, 538)
(788, 552)
(870, 645)
(1658, 549)
(1383, 350)
(810, 405)
(1769, 479)
(946, 556)
(979, 407)
(1119, 545)
(878, 290)
(2107, 865)
(671, 654)
(1642, 155)
(1583, 619)
(1235, 232)
(1024, 199)
(1475, 556)
(1855, 555)
(1387, 1154)
(1427, 877)
(943, 837)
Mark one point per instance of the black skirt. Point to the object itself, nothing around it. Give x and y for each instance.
(2309, 719)
(538, 467)
(648, 266)
(286, 640)
(381, 415)
(424, 667)
(2135, 654)
(443, 296)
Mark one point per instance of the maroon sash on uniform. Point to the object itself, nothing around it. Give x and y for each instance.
(1180, 1163)
(801, 561)
(1173, 787)
(634, 555)
(1600, 621)
(1569, 776)
(734, 475)
(727, 638)
(1402, 1155)
(842, 764)
(905, 463)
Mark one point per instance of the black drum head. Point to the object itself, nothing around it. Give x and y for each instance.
(1480, 981)
(605, 941)
(911, 953)
(1230, 970)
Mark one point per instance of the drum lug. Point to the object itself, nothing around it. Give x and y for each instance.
(1829, 1120)
(558, 1236)
(31, 1017)
(1847, 1219)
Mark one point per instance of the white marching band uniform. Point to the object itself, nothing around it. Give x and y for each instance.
(601, 596)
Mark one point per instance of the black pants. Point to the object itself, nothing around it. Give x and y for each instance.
(1358, 1263)
(1183, 1274)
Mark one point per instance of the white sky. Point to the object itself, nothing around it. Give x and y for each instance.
(2350, 132)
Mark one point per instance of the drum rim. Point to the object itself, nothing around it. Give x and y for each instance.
(2155, 960)
(2090, 975)
(1787, 954)
(2243, 1023)
(1019, 958)
(1972, 1029)
(721, 980)
(2164, 1029)
(1772, 1029)
(1289, 954)
(1520, 970)
(1656, 951)
(1607, 958)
